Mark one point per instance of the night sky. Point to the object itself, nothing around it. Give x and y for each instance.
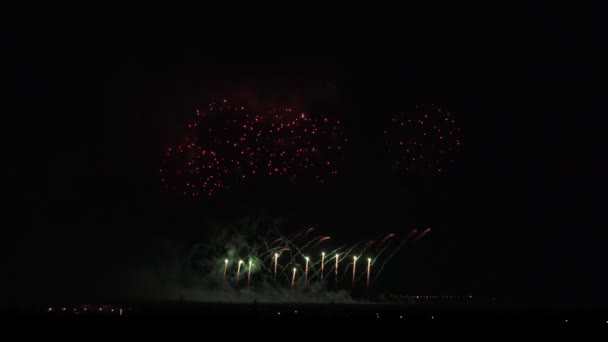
(89, 115)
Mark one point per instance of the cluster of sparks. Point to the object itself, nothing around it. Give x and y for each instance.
(227, 143)
(423, 140)
(297, 256)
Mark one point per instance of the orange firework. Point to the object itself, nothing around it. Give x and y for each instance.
(276, 241)
(308, 232)
(293, 279)
(323, 239)
(426, 231)
(391, 235)
(225, 268)
(388, 236)
(412, 233)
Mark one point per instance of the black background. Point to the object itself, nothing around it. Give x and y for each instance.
(90, 108)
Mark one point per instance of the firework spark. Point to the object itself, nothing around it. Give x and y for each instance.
(227, 143)
(225, 268)
(293, 278)
(424, 140)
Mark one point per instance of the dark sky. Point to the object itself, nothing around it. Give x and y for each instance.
(89, 112)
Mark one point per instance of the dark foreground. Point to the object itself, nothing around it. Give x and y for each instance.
(401, 314)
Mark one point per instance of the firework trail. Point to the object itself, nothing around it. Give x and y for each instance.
(276, 263)
(293, 278)
(412, 233)
(387, 247)
(391, 235)
(299, 250)
(367, 246)
(395, 251)
(308, 232)
(337, 264)
(345, 254)
(348, 252)
(300, 236)
(225, 268)
(369, 268)
(276, 241)
(322, 265)
(306, 272)
(265, 256)
(338, 251)
(354, 269)
(238, 272)
(249, 274)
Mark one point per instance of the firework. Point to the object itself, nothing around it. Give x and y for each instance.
(322, 264)
(226, 143)
(385, 239)
(308, 232)
(426, 231)
(354, 269)
(293, 278)
(302, 261)
(323, 239)
(192, 170)
(426, 140)
(412, 233)
(238, 272)
(276, 241)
